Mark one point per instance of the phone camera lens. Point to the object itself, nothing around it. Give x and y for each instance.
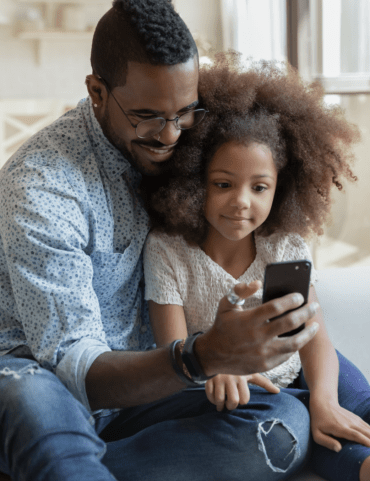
(296, 268)
(306, 266)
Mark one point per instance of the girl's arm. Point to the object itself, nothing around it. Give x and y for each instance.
(319, 360)
(321, 371)
(168, 322)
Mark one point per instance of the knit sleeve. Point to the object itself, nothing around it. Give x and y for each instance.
(160, 269)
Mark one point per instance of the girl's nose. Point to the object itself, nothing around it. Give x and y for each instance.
(242, 199)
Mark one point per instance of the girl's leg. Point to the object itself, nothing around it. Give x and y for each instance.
(353, 395)
(46, 434)
(183, 437)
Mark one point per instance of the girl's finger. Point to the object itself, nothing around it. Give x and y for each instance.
(244, 394)
(262, 381)
(209, 388)
(232, 394)
(353, 435)
(326, 441)
(219, 394)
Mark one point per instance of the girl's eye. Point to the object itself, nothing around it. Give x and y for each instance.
(222, 185)
(260, 188)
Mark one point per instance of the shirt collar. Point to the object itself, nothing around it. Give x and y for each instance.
(111, 159)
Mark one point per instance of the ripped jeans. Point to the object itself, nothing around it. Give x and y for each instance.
(47, 435)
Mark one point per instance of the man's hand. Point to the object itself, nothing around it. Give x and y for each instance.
(227, 390)
(243, 342)
(329, 420)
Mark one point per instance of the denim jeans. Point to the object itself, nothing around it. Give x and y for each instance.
(48, 435)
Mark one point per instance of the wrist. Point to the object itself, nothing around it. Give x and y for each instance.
(191, 364)
(323, 396)
(208, 355)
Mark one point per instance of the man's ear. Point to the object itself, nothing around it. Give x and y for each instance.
(96, 89)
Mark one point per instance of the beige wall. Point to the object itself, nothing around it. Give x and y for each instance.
(57, 68)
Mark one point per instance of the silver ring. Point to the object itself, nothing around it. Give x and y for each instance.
(234, 299)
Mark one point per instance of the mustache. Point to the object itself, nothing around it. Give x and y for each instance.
(154, 144)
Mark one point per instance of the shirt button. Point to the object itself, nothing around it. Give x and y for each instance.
(143, 329)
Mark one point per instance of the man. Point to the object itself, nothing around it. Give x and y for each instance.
(74, 328)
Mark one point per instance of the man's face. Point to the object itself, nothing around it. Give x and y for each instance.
(150, 91)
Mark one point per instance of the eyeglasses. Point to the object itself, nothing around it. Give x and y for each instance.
(149, 128)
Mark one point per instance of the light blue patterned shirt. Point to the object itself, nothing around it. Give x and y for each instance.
(72, 229)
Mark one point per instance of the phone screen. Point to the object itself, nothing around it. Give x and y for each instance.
(282, 278)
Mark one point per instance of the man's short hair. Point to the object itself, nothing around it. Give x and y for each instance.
(144, 31)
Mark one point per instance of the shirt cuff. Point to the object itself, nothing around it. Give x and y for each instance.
(74, 366)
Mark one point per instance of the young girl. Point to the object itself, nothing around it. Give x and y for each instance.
(247, 187)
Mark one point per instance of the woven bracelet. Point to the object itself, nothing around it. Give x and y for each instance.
(180, 373)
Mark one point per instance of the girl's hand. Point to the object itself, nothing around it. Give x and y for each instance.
(230, 391)
(329, 419)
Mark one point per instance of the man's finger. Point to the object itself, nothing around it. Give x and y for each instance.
(295, 343)
(243, 291)
(292, 320)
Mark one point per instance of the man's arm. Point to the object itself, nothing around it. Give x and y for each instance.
(239, 342)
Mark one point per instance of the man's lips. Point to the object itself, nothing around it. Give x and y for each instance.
(161, 151)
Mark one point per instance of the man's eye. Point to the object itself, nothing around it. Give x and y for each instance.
(260, 188)
(145, 117)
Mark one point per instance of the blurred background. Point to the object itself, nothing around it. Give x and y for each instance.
(45, 51)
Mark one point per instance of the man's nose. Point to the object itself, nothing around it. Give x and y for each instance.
(170, 134)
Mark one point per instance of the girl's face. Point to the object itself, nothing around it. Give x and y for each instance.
(241, 185)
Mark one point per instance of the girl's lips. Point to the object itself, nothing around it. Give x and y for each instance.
(237, 219)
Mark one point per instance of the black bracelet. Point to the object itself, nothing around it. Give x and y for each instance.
(191, 362)
(180, 373)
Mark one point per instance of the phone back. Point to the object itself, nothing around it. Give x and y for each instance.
(282, 278)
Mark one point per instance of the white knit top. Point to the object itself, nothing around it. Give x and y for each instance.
(176, 273)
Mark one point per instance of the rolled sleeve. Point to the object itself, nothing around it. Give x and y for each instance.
(44, 234)
(74, 366)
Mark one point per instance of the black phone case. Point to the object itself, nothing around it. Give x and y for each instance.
(282, 278)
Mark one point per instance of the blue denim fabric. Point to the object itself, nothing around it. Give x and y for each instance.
(354, 395)
(48, 435)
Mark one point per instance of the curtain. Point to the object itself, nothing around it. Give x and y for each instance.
(256, 28)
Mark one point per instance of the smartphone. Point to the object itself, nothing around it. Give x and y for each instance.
(282, 278)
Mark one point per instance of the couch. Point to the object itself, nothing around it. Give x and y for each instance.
(344, 296)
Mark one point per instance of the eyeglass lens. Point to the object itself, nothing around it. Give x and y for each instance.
(151, 127)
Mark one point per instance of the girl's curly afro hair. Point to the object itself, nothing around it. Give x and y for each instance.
(267, 103)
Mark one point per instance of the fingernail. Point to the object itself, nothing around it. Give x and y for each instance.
(337, 449)
(298, 298)
(315, 326)
(315, 306)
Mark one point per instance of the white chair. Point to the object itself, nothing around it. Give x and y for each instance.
(19, 119)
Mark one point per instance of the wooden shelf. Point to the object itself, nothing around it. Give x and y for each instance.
(76, 2)
(42, 37)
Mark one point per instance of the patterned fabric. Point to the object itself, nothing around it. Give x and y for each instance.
(176, 273)
(71, 240)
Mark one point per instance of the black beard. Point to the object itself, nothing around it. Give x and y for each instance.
(113, 138)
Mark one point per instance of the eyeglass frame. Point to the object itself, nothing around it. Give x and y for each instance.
(159, 118)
